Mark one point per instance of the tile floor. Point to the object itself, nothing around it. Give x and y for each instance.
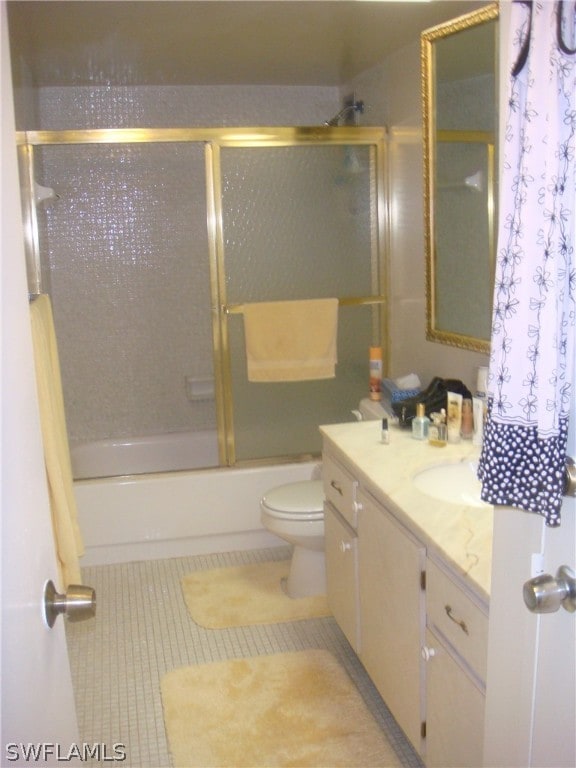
(142, 629)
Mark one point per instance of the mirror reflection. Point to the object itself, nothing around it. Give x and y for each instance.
(459, 66)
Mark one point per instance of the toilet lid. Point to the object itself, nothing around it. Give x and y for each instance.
(304, 498)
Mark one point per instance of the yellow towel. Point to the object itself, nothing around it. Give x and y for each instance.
(67, 536)
(291, 340)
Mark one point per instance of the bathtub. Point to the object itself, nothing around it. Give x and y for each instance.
(174, 514)
(149, 453)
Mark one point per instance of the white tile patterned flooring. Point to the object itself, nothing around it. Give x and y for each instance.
(142, 629)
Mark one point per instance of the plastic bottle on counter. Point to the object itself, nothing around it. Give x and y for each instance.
(375, 373)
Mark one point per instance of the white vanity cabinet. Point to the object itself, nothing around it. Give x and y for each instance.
(455, 653)
(416, 623)
(390, 565)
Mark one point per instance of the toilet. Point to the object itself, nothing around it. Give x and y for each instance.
(295, 513)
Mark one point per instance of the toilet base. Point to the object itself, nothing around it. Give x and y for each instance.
(307, 576)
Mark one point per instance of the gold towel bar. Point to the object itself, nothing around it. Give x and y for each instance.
(352, 301)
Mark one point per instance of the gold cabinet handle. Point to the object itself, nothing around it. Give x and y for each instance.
(460, 622)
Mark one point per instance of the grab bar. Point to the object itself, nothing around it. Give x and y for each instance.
(351, 301)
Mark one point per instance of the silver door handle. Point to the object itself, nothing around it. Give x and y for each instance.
(546, 594)
(79, 603)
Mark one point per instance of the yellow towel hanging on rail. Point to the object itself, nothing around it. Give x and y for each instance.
(291, 340)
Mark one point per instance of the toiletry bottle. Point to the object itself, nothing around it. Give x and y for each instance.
(420, 423)
(482, 381)
(375, 373)
(454, 420)
(467, 420)
(478, 412)
(437, 433)
(482, 389)
(385, 435)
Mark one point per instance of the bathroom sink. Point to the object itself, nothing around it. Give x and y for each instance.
(452, 483)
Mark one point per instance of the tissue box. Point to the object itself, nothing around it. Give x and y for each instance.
(395, 395)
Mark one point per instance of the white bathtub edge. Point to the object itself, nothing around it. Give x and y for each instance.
(176, 515)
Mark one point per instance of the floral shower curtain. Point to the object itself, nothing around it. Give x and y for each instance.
(532, 354)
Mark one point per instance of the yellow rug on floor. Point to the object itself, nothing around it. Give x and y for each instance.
(289, 709)
(246, 595)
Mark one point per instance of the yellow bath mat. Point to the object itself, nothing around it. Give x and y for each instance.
(289, 709)
(246, 595)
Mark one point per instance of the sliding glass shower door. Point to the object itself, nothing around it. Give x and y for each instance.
(299, 222)
(149, 243)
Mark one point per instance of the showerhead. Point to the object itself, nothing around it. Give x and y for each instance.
(349, 109)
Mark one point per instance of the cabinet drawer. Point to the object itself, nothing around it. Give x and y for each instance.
(457, 618)
(340, 489)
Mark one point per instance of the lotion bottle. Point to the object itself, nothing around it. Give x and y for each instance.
(467, 430)
(420, 423)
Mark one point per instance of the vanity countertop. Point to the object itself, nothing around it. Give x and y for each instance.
(458, 534)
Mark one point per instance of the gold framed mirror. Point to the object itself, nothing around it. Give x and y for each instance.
(460, 118)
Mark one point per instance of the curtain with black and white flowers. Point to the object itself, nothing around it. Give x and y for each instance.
(531, 369)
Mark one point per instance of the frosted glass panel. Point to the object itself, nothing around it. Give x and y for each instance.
(298, 223)
(124, 250)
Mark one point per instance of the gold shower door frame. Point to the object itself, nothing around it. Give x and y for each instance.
(214, 139)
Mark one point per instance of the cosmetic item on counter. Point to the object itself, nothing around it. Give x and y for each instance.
(385, 434)
(375, 373)
(420, 423)
(478, 404)
(482, 381)
(437, 432)
(454, 401)
(467, 429)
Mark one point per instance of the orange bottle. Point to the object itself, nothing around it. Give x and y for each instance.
(375, 373)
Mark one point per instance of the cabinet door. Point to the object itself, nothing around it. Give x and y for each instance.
(341, 573)
(390, 562)
(454, 711)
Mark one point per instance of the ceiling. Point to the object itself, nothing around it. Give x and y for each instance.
(251, 42)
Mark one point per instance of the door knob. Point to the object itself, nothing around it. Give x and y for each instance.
(546, 594)
(78, 603)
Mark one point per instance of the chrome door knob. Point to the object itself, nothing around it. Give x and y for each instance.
(79, 603)
(546, 594)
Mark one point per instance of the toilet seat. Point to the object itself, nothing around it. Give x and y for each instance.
(302, 500)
